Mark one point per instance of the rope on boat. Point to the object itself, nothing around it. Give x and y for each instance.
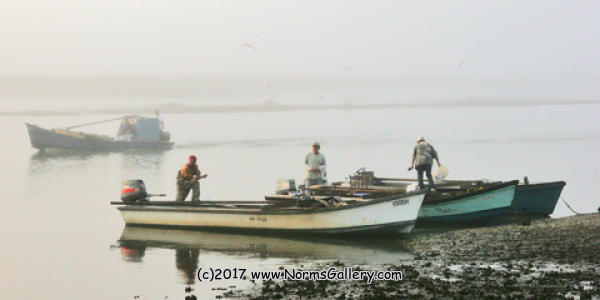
(93, 123)
(569, 206)
(97, 122)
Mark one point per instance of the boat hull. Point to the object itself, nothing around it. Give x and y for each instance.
(394, 214)
(47, 139)
(475, 208)
(537, 199)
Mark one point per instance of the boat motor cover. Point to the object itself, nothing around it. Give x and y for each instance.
(133, 190)
(284, 186)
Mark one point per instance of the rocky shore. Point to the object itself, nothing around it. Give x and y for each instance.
(551, 258)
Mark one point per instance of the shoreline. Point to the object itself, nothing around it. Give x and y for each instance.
(269, 106)
(549, 258)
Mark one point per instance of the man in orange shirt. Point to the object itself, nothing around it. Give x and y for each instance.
(188, 179)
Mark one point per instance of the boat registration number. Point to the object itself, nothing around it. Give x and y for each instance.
(400, 202)
(259, 219)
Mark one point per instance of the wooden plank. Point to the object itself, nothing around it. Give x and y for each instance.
(425, 180)
(188, 203)
(367, 189)
(291, 198)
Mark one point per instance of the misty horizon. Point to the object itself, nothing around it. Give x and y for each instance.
(215, 52)
(350, 39)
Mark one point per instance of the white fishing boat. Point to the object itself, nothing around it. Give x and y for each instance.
(391, 214)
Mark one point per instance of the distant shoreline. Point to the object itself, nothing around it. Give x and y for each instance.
(175, 108)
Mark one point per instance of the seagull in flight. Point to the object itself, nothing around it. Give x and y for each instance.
(248, 45)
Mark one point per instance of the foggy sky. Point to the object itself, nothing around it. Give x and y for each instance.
(419, 39)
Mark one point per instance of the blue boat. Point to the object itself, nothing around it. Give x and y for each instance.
(482, 205)
(530, 200)
(538, 199)
(149, 138)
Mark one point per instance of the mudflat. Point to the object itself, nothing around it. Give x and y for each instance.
(550, 258)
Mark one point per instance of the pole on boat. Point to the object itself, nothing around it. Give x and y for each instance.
(157, 195)
(97, 122)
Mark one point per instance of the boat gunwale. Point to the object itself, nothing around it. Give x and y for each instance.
(479, 182)
(275, 211)
(562, 183)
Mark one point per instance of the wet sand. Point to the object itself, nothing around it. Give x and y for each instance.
(551, 258)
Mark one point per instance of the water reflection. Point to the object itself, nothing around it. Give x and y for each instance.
(55, 162)
(132, 251)
(142, 159)
(186, 261)
(355, 250)
(240, 250)
(63, 159)
(59, 155)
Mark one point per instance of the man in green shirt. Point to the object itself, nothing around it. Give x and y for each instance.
(316, 169)
(422, 160)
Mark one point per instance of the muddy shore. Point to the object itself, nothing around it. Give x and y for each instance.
(551, 258)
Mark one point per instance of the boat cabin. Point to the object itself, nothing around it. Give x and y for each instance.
(140, 129)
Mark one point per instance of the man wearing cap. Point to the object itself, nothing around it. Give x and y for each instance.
(315, 166)
(188, 178)
(422, 160)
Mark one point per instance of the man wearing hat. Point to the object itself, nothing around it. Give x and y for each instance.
(188, 178)
(422, 160)
(315, 166)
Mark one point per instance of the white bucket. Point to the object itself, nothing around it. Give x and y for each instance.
(440, 174)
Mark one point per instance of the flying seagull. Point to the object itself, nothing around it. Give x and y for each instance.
(249, 46)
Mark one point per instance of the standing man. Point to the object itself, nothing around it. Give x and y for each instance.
(423, 156)
(188, 178)
(316, 169)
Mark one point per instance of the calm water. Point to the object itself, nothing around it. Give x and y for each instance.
(62, 239)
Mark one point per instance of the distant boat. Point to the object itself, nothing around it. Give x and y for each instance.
(391, 214)
(148, 139)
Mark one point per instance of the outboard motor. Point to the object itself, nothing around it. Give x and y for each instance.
(133, 190)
